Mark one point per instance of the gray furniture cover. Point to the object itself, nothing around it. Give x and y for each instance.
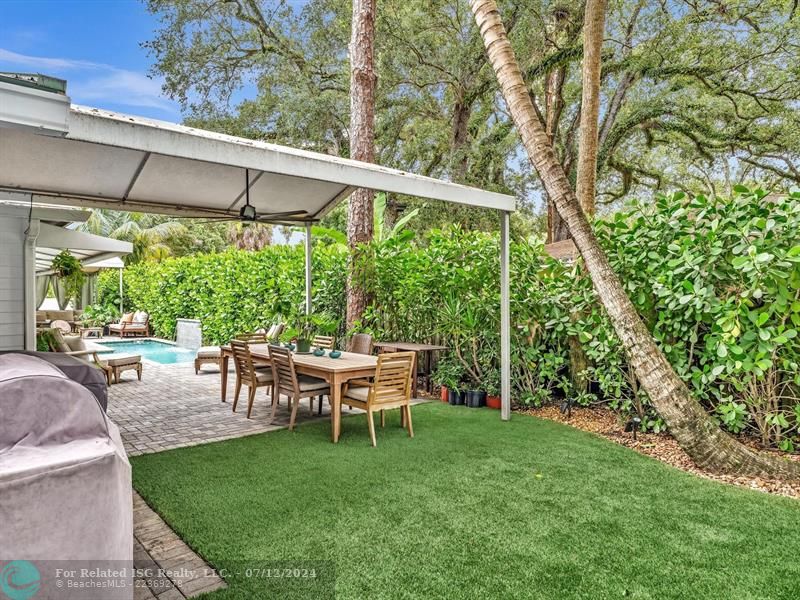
(65, 484)
(77, 369)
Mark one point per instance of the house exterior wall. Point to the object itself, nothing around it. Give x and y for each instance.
(12, 279)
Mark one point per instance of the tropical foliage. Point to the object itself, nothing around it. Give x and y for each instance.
(716, 280)
(155, 237)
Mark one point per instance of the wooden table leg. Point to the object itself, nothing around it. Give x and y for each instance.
(336, 408)
(414, 377)
(428, 354)
(223, 368)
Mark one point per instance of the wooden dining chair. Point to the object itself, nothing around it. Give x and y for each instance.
(253, 337)
(323, 341)
(390, 388)
(248, 375)
(294, 386)
(361, 343)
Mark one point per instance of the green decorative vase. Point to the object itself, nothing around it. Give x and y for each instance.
(304, 345)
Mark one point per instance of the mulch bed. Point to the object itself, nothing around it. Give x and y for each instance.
(661, 446)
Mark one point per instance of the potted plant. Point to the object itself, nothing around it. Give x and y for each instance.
(449, 374)
(304, 330)
(474, 398)
(491, 383)
(304, 327)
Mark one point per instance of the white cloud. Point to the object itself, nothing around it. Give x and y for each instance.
(95, 82)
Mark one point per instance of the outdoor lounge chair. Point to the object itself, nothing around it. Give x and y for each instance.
(112, 367)
(77, 347)
(295, 386)
(207, 355)
(247, 374)
(391, 388)
(131, 324)
(274, 332)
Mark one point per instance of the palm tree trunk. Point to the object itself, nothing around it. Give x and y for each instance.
(593, 30)
(362, 140)
(689, 423)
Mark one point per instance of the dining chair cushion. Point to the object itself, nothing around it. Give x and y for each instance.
(263, 376)
(308, 384)
(360, 393)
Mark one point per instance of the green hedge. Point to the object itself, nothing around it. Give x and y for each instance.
(230, 292)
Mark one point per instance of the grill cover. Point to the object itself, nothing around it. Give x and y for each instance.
(65, 485)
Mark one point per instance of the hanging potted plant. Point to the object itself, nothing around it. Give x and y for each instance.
(70, 271)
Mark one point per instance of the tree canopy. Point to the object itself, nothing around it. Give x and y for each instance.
(696, 96)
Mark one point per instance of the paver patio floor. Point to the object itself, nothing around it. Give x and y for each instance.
(172, 407)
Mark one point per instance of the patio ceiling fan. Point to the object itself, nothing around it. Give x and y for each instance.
(248, 213)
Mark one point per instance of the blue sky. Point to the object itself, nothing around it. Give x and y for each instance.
(93, 44)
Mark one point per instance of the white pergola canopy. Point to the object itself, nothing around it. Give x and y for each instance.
(77, 156)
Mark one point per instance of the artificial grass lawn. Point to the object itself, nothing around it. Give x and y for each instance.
(470, 508)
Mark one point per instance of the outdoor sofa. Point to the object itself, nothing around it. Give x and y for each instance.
(131, 325)
(71, 316)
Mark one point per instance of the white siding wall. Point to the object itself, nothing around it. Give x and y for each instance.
(12, 282)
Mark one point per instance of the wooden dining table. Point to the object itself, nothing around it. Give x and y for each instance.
(426, 350)
(336, 371)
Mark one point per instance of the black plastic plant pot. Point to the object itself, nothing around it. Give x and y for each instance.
(455, 398)
(476, 399)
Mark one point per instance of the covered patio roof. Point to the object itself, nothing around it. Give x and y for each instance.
(123, 162)
(61, 153)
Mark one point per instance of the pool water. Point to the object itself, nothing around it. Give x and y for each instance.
(160, 352)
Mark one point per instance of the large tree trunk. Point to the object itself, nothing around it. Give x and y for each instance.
(553, 109)
(593, 29)
(460, 136)
(689, 423)
(362, 141)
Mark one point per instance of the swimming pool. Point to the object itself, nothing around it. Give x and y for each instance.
(160, 352)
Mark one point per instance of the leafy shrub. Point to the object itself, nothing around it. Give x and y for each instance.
(231, 292)
(718, 282)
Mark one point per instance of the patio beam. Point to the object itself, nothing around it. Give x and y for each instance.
(505, 318)
(308, 268)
